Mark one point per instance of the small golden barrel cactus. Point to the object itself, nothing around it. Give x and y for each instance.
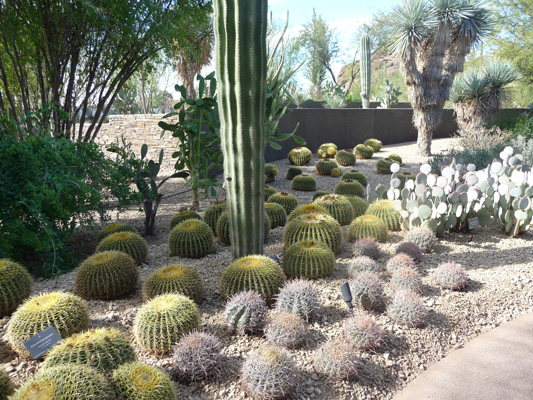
(180, 279)
(107, 275)
(368, 226)
(271, 171)
(103, 348)
(138, 381)
(308, 259)
(64, 311)
(375, 144)
(222, 230)
(383, 166)
(162, 321)
(255, 272)
(213, 212)
(363, 152)
(350, 187)
(325, 167)
(127, 242)
(293, 172)
(268, 191)
(396, 158)
(183, 216)
(346, 158)
(114, 228)
(315, 226)
(191, 239)
(288, 201)
(359, 205)
(327, 150)
(384, 210)
(304, 182)
(355, 175)
(276, 213)
(307, 209)
(339, 207)
(15, 286)
(300, 156)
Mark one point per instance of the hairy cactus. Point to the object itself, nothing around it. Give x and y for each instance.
(305, 183)
(383, 166)
(269, 191)
(336, 172)
(306, 209)
(320, 193)
(254, 272)
(286, 200)
(271, 171)
(191, 239)
(375, 144)
(350, 187)
(327, 150)
(423, 237)
(346, 158)
(114, 228)
(138, 381)
(355, 175)
(384, 210)
(127, 242)
(363, 152)
(367, 290)
(213, 212)
(366, 247)
(300, 156)
(183, 216)
(196, 356)
(245, 312)
(276, 214)
(107, 275)
(399, 260)
(6, 387)
(406, 278)
(368, 226)
(451, 276)
(15, 286)
(337, 359)
(308, 259)
(324, 167)
(315, 226)
(162, 321)
(339, 207)
(285, 329)
(359, 205)
(301, 297)
(269, 373)
(293, 172)
(407, 308)
(103, 348)
(366, 70)
(179, 279)
(411, 249)
(363, 331)
(64, 311)
(396, 158)
(360, 264)
(66, 382)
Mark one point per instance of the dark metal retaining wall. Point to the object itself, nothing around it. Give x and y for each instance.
(347, 127)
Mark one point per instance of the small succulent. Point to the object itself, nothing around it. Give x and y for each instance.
(396, 158)
(345, 158)
(337, 359)
(336, 172)
(300, 156)
(285, 329)
(363, 152)
(366, 247)
(304, 182)
(411, 249)
(196, 356)
(213, 212)
(191, 239)
(451, 276)
(383, 166)
(367, 290)
(363, 331)
(374, 143)
(398, 261)
(277, 215)
(301, 297)
(327, 150)
(356, 176)
(350, 187)
(127, 242)
(245, 312)
(271, 171)
(269, 373)
(406, 278)
(424, 237)
(407, 308)
(368, 226)
(360, 264)
(320, 193)
(288, 201)
(293, 172)
(324, 167)
(183, 216)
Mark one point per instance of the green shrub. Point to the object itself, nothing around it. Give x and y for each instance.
(480, 157)
(49, 187)
(15, 286)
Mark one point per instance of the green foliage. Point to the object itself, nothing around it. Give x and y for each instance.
(183, 216)
(162, 321)
(355, 175)
(286, 329)
(114, 228)
(138, 381)
(521, 125)
(407, 308)
(245, 312)
(292, 172)
(255, 272)
(345, 158)
(288, 201)
(66, 382)
(276, 214)
(126, 242)
(451, 276)
(196, 356)
(64, 311)
(368, 226)
(271, 171)
(339, 207)
(6, 387)
(314, 226)
(304, 182)
(213, 212)
(300, 297)
(48, 188)
(367, 290)
(308, 259)
(375, 144)
(363, 152)
(106, 275)
(384, 210)
(179, 279)
(337, 359)
(192, 238)
(525, 147)
(15, 286)
(349, 187)
(300, 156)
(103, 348)
(223, 233)
(325, 167)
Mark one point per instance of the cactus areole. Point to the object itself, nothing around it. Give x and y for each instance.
(241, 66)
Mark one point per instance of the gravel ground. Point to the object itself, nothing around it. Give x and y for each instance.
(500, 289)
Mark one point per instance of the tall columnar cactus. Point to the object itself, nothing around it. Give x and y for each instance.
(241, 65)
(365, 65)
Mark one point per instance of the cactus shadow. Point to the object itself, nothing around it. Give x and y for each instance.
(436, 319)
(374, 375)
(332, 314)
(394, 342)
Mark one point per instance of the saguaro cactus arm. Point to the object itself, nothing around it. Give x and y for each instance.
(365, 64)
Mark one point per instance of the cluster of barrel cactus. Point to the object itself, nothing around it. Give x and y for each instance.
(327, 150)
(355, 175)
(374, 143)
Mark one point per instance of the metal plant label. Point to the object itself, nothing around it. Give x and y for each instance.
(39, 344)
(473, 223)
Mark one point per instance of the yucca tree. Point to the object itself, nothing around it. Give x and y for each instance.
(431, 42)
(477, 94)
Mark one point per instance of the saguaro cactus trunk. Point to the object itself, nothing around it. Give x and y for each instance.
(366, 70)
(241, 67)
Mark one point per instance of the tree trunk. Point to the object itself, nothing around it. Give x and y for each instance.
(424, 142)
(149, 218)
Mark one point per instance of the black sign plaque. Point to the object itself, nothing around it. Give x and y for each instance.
(473, 223)
(40, 343)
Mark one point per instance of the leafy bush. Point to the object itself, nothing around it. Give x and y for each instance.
(525, 147)
(477, 156)
(48, 187)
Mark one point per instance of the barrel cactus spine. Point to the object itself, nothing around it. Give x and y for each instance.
(346, 158)
(305, 183)
(179, 279)
(245, 312)
(309, 259)
(15, 286)
(192, 238)
(197, 356)
(366, 70)
(241, 64)
(300, 156)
